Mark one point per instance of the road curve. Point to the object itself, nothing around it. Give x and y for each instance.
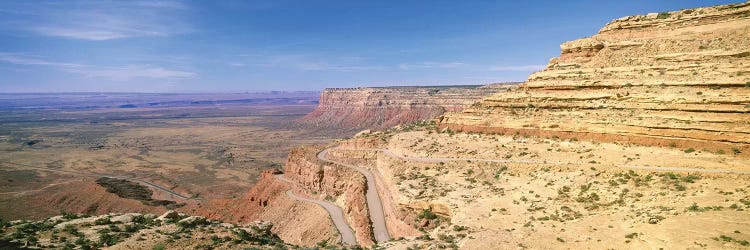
(636, 167)
(335, 212)
(147, 183)
(374, 205)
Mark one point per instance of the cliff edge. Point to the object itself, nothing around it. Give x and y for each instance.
(678, 79)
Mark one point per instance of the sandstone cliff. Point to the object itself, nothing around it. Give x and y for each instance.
(379, 108)
(679, 79)
(331, 182)
(294, 221)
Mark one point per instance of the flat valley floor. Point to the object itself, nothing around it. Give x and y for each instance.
(56, 158)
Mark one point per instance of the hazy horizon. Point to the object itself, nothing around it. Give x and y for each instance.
(235, 46)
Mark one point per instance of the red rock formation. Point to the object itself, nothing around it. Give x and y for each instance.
(294, 221)
(67, 197)
(380, 108)
(328, 180)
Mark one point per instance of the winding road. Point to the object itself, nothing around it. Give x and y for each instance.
(374, 205)
(136, 179)
(336, 213)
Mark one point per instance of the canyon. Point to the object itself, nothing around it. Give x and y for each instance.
(636, 137)
(622, 141)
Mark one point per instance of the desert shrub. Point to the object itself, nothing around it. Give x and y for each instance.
(83, 243)
(106, 239)
(69, 216)
(694, 208)
(102, 221)
(425, 237)
(159, 246)
(132, 228)
(663, 15)
(427, 214)
(689, 150)
(72, 230)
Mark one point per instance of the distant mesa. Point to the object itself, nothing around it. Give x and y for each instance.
(384, 107)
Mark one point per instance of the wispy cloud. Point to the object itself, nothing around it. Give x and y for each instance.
(123, 73)
(306, 63)
(115, 73)
(100, 20)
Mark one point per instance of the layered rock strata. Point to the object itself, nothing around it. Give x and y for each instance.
(679, 79)
(379, 108)
(328, 181)
(295, 221)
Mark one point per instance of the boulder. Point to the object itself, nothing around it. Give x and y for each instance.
(169, 215)
(192, 221)
(124, 218)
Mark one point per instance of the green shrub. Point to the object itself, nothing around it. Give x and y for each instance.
(159, 246)
(428, 214)
(663, 15)
(102, 221)
(106, 239)
(69, 216)
(689, 150)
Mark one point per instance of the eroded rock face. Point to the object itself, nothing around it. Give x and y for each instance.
(332, 182)
(294, 221)
(379, 108)
(679, 79)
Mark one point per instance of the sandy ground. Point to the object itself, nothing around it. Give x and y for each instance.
(550, 193)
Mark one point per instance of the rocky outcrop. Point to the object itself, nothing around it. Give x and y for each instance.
(379, 108)
(400, 216)
(139, 231)
(66, 196)
(679, 79)
(332, 182)
(294, 221)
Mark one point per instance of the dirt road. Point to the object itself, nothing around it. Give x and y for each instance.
(374, 204)
(336, 213)
(173, 194)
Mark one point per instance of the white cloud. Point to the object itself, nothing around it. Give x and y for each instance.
(308, 63)
(101, 20)
(128, 72)
(116, 73)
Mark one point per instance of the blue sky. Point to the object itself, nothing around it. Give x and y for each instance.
(231, 46)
